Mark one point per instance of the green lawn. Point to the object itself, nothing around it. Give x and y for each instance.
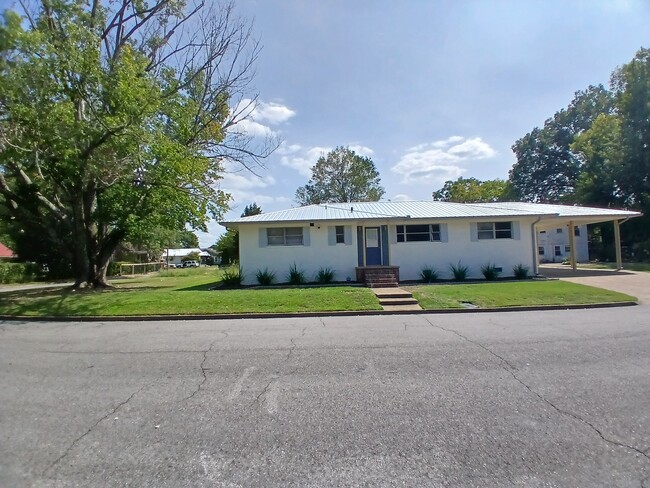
(187, 292)
(512, 294)
(183, 292)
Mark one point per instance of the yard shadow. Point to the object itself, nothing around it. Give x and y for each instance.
(215, 285)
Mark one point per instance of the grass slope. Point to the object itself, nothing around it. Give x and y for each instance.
(513, 294)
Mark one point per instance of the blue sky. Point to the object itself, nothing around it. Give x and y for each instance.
(430, 90)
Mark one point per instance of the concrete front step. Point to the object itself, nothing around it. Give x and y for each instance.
(397, 301)
(391, 293)
(382, 285)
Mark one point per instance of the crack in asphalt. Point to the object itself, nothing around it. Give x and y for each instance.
(322, 321)
(277, 376)
(511, 369)
(293, 344)
(202, 365)
(203, 369)
(488, 350)
(74, 443)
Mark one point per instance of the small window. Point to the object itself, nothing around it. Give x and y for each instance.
(567, 248)
(558, 230)
(340, 234)
(558, 251)
(494, 230)
(542, 232)
(418, 233)
(576, 231)
(284, 236)
(540, 250)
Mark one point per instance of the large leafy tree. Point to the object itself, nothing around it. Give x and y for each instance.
(341, 176)
(547, 169)
(116, 118)
(465, 190)
(228, 243)
(631, 85)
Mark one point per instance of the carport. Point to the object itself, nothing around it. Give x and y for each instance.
(554, 216)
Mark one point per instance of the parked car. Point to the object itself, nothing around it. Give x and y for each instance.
(190, 264)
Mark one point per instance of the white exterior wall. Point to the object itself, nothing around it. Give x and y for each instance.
(549, 239)
(411, 257)
(342, 258)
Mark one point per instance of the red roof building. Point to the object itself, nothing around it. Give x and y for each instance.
(5, 252)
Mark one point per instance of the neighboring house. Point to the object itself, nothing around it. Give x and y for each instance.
(404, 237)
(554, 245)
(175, 256)
(6, 253)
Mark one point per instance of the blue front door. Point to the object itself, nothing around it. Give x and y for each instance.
(373, 246)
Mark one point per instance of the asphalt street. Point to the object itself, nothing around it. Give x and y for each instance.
(534, 399)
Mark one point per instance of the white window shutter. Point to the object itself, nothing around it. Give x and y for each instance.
(264, 240)
(444, 236)
(331, 235)
(305, 236)
(515, 230)
(473, 231)
(347, 235)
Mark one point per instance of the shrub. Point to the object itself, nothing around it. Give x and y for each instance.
(459, 271)
(428, 275)
(490, 271)
(296, 276)
(520, 271)
(232, 276)
(325, 275)
(265, 277)
(18, 272)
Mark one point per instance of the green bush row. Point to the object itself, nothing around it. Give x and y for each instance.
(19, 272)
(490, 272)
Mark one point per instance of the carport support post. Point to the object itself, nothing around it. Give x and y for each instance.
(572, 246)
(617, 240)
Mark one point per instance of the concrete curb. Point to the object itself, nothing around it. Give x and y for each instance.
(142, 318)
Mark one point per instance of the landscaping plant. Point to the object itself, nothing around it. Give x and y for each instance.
(232, 276)
(428, 275)
(520, 271)
(296, 276)
(459, 271)
(490, 271)
(265, 277)
(325, 275)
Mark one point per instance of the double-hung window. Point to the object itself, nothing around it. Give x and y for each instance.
(418, 233)
(494, 230)
(340, 234)
(284, 236)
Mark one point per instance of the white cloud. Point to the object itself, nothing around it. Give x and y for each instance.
(401, 198)
(302, 160)
(245, 181)
(439, 161)
(258, 118)
(273, 113)
(362, 150)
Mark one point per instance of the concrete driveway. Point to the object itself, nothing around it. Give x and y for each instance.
(632, 283)
(537, 399)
